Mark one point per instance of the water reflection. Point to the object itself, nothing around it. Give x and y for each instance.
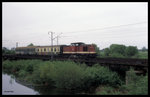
(11, 87)
(11, 81)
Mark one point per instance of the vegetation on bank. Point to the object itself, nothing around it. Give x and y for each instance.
(67, 74)
(71, 76)
(137, 85)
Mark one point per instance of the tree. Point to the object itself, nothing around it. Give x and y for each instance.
(106, 51)
(131, 51)
(116, 48)
(7, 51)
(144, 49)
(96, 49)
(4, 49)
(31, 44)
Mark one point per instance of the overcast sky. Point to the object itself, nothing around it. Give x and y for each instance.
(101, 23)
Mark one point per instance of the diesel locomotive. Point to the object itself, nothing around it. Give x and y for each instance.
(74, 49)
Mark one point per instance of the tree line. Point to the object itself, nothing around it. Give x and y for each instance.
(119, 51)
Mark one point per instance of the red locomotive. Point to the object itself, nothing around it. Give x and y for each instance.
(79, 49)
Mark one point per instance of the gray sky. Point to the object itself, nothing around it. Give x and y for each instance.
(100, 23)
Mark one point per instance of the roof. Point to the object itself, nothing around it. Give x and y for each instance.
(78, 43)
(27, 47)
(37, 46)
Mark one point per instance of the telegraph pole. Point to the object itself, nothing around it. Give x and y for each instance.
(51, 44)
(57, 40)
(16, 44)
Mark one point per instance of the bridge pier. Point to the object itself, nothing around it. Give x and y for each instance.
(129, 76)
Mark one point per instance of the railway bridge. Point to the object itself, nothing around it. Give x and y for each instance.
(118, 64)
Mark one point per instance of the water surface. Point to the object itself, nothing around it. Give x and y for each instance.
(11, 87)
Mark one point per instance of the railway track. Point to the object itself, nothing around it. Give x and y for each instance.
(109, 61)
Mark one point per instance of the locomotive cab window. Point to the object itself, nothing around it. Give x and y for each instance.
(85, 48)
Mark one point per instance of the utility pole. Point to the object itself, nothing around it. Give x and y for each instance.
(52, 53)
(57, 40)
(16, 44)
(51, 44)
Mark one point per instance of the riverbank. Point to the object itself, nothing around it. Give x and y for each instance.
(65, 75)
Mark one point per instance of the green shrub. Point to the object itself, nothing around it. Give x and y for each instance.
(47, 73)
(36, 77)
(7, 65)
(68, 75)
(131, 51)
(117, 48)
(98, 75)
(137, 85)
(106, 51)
(22, 73)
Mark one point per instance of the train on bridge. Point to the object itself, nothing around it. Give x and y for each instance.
(78, 49)
(80, 52)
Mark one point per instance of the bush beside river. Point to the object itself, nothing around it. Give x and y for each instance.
(63, 74)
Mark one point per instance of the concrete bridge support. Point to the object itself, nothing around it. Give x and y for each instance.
(131, 76)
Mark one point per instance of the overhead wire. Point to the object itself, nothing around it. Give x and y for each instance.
(96, 29)
(106, 27)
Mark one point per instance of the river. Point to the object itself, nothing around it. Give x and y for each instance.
(12, 87)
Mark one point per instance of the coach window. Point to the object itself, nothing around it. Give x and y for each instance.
(51, 49)
(55, 49)
(44, 49)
